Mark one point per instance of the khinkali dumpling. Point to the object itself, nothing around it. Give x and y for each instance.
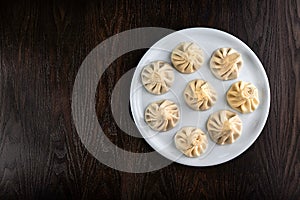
(187, 57)
(158, 77)
(243, 97)
(200, 95)
(191, 141)
(224, 127)
(226, 63)
(162, 115)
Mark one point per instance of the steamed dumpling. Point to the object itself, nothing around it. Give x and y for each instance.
(191, 141)
(162, 115)
(157, 77)
(224, 127)
(226, 63)
(200, 95)
(187, 57)
(243, 97)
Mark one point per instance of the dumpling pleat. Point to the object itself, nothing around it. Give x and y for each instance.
(162, 115)
(224, 127)
(226, 63)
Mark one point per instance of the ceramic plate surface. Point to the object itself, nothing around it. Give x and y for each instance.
(208, 40)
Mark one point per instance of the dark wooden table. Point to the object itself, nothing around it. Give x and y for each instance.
(42, 45)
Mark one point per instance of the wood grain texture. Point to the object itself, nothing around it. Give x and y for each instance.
(42, 45)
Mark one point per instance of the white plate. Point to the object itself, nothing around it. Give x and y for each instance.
(209, 40)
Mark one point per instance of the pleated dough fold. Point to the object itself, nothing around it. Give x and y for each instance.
(187, 57)
(226, 63)
(191, 141)
(243, 97)
(200, 95)
(224, 127)
(158, 77)
(162, 115)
